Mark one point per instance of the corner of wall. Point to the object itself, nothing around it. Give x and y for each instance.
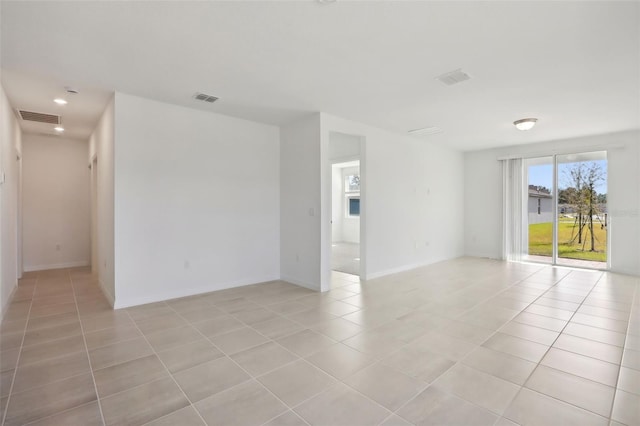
(10, 145)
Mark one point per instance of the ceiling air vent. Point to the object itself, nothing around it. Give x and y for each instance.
(205, 98)
(425, 131)
(39, 117)
(453, 77)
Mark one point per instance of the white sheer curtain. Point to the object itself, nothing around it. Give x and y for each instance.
(513, 208)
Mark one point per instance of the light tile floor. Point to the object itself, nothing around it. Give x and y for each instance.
(345, 257)
(462, 342)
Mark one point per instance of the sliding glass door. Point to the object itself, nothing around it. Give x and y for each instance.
(582, 209)
(539, 193)
(565, 210)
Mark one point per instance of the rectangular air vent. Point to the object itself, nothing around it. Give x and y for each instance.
(205, 98)
(453, 77)
(425, 131)
(39, 117)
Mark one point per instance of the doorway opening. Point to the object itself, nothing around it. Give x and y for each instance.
(567, 219)
(345, 217)
(344, 212)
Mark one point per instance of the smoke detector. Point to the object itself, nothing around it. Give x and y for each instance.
(205, 98)
(453, 77)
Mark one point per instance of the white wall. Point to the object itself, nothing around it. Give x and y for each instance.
(10, 151)
(197, 201)
(300, 202)
(101, 146)
(483, 194)
(55, 203)
(343, 147)
(411, 200)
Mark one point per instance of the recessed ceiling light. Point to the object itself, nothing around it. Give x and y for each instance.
(59, 129)
(525, 123)
(60, 101)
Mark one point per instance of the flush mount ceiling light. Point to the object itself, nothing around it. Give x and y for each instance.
(525, 123)
(60, 101)
(59, 129)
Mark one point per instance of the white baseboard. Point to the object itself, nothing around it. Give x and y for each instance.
(5, 303)
(405, 268)
(300, 283)
(178, 293)
(107, 294)
(624, 271)
(75, 264)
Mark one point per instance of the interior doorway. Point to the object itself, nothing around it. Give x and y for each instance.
(345, 217)
(344, 240)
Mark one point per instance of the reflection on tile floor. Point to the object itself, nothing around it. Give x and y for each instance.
(345, 257)
(467, 341)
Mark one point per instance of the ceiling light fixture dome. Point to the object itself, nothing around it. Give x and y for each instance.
(59, 129)
(60, 101)
(525, 123)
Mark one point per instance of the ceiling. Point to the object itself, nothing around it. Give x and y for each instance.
(573, 65)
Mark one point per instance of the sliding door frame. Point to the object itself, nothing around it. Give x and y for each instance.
(554, 223)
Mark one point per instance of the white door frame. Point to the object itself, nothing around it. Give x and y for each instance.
(326, 209)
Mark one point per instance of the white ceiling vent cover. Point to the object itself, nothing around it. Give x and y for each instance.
(39, 117)
(205, 98)
(453, 77)
(425, 131)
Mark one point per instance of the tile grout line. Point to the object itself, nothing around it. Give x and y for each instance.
(457, 362)
(15, 371)
(626, 335)
(460, 361)
(521, 310)
(438, 329)
(251, 377)
(86, 348)
(427, 384)
(166, 370)
(551, 346)
(300, 358)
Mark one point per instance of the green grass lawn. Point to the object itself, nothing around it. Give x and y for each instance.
(540, 241)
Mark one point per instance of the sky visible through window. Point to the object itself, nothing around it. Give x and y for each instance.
(542, 175)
